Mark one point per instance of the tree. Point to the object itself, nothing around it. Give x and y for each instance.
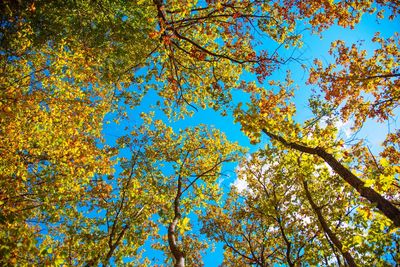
(56, 90)
(50, 119)
(204, 48)
(195, 156)
(278, 218)
(347, 87)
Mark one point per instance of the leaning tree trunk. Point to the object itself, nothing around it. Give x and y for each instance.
(385, 206)
(325, 227)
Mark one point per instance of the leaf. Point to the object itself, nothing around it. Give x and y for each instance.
(184, 225)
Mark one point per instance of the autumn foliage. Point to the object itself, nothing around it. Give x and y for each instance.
(93, 173)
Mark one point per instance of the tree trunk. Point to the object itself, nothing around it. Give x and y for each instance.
(335, 240)
(172, 242)
(178, 255)
(385, 206)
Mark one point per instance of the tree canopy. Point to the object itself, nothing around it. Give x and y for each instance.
(74, 71)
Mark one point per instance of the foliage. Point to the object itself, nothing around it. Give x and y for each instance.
(51, 115)
(71, 197)
(273, 221)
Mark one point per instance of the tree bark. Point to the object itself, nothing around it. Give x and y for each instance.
(172, 242)
(325, 227)
(385, 206)
(176, 252)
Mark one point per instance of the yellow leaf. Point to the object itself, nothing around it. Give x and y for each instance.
(368, 182)
(184, 225)
(358, 239)
(384, 162)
